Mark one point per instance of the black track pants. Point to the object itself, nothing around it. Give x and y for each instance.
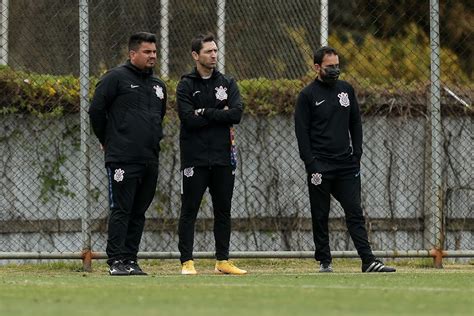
(345, 187)
(220, 182)
(131, 190)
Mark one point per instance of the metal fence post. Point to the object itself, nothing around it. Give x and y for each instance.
(427, 167)
(436, 137)
(4, 33)
(221, 34)
(164, 47)
(324, 27)
(85, 169)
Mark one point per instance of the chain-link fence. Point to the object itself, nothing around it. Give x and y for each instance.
(410, 65)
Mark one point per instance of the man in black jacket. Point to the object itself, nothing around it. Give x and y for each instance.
(209, 104)
(329, 133)
(126, 115)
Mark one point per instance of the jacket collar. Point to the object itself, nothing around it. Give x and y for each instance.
(138, 71)
(194, 74)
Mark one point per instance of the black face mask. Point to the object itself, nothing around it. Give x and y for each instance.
(330, 75)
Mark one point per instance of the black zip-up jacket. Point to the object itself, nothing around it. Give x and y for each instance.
(126, 114)
(327, 121)
(205, 139)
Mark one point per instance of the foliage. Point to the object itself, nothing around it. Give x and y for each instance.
(384, 87)
(400, 59)
(385, 19)
(39, 94)
(269, 97)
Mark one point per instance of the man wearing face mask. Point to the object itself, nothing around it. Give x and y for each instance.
(329, 133)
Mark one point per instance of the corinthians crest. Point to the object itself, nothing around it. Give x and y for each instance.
(118, 175)
(188, 172)
(344, 99)
(316, 178)
(159, 92)
(221, 93)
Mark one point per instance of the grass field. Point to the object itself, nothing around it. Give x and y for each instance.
(273, 287)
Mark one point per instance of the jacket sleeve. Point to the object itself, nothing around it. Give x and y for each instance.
(186, 108)
(104, 95)
(233, 114)
(302, 130)
(355, 126)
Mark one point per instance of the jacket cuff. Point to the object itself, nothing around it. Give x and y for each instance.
(209, 113)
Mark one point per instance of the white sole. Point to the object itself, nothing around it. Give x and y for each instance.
(220, 272)
(188, 273)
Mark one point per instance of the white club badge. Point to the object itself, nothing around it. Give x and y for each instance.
(221, 93)
(118, 175)
(159, 92)
(344, 99)
(316, 178)
(188, 172)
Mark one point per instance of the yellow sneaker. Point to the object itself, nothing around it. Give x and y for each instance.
(187, 267)
(227, 267)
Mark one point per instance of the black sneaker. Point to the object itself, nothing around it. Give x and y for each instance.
(117, 268)
(133, 268)
(376, 266)
(325, 267)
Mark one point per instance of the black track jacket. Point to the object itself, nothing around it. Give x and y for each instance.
(205, 140)
(327, 120)
(126, 114)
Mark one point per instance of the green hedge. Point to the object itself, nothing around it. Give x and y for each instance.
(50, 96)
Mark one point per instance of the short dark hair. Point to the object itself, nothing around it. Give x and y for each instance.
(196, 43)
(321, 52)
(138, 38)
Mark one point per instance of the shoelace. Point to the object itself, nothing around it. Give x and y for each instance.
(134, 266)
(231, 264)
